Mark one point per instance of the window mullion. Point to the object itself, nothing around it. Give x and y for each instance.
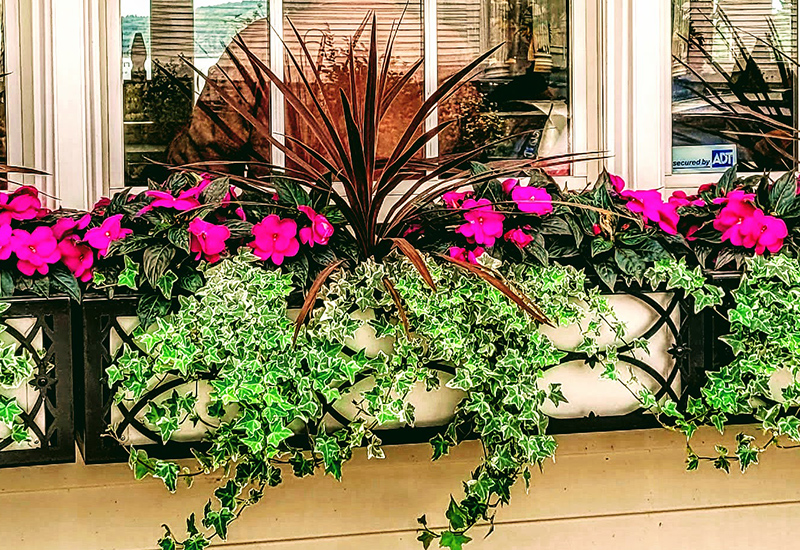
(276, 58)
(431, 68)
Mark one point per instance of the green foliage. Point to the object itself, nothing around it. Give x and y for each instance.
(16, 367)
(265, 412)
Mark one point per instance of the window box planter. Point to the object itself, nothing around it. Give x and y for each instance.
(42, 327)
(681, 343)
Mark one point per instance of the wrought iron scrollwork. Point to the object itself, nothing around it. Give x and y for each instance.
(48, 414)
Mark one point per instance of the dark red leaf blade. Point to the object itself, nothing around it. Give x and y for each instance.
(311, 297)
(408, 250)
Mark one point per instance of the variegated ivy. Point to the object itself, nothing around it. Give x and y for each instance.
(266, 411)
(762, 380)
(16, 367)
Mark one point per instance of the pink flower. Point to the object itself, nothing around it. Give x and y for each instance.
(186, 200)
(35, 250)
(22, 204)
(6, 241)
(100, 238)
(706, 187)
(484, 224)
(411, 229)
(758, 231)
(453, 199)
(320, 231)
(509, 184)
(207, 239)
(240, 214)
(78, 258)
(596, 229)
(738, 207)
(518, 237)
(650, 205)
(617, 182)
(691, 231)
(275, 239)
(680, 198)
(533, 200)
(65, 226)
(99, 207)
(464, 255)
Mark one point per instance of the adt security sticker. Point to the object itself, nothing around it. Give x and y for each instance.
(703, 158)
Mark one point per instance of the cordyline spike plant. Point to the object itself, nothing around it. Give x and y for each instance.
(340, 162)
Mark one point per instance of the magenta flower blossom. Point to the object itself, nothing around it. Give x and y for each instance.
(66, 226)
(518, 237)
(691, 231)
(207, 239)
(738, 207)
(275, 239)
(453, 199)
(6, 241)
(617, 182)
(320, 231)
(22, 204)
(758, 231)
(484, 224)
(100, 238)
(533, 200)
(509, 184)
(35, 250)
(680, 198)
(596, 229)
(464, 255)
(651, 206)
(78, 258)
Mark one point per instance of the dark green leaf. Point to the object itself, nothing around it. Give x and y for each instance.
(65, 281)
(291, 193)
(216, 191)
(150, 308)
(155, 262)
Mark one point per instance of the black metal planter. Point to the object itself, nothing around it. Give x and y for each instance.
(43, 327)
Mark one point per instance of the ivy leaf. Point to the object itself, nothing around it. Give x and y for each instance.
(328, 447)
(191, 282)
(426, 538)
(9, 411)
(719, 422)
(457, 516)
(166, 283)
(277, 436)
(19, 433)
(168, 473)
(167, 543)
(155, 262)
(555, 395)
(453, 541)
(218, 520)
(440, 445)
(127, 276)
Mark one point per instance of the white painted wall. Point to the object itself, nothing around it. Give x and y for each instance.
(620, 491)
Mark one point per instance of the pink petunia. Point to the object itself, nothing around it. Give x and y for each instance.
(738, 207)
(533, 200)
(35, 250)
(275, 239)
(100, 238)
(484, 224)
(649, 203)
(207, 239)
(518, 237)
(464, 255)
(66, 226)
(320, 231)
(78, 258)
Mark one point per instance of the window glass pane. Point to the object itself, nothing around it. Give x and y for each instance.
(522, 87)
(733, 84)
(327, 27)
(170, 114)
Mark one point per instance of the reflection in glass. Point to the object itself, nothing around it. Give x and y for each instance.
(523, 87)
(734, 79)
(327, 27)
(170, 114)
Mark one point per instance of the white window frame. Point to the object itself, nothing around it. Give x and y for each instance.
(639, 66)
(78, 102)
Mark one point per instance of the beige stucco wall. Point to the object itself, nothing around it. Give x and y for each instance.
(611, 491)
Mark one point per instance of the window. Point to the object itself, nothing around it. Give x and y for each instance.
(734, 84)
(161, 90)
(523, 87)
(531, 88)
